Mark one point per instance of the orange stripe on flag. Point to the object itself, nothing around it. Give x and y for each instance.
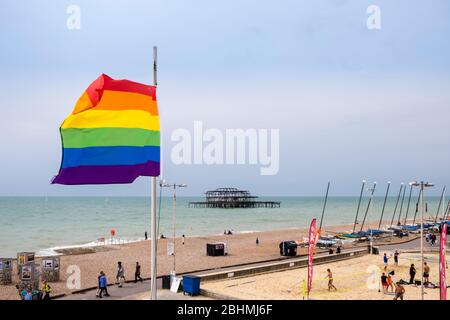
(122, 100)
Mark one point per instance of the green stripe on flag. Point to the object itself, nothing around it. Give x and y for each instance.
(107, 137)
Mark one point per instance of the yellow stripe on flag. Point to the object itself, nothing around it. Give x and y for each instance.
(112, 119)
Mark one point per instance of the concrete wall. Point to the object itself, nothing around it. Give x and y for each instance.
(293, 263)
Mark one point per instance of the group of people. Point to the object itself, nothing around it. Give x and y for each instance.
(29, 294)
(431, 239)
(387, 282)
(120, 277)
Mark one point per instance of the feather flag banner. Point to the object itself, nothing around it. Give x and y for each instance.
(112, 135)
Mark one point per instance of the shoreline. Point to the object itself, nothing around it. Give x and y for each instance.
(53, 251)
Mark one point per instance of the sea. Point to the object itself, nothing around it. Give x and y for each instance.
(45, 224)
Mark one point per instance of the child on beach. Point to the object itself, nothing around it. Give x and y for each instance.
(120, 274)
(330, 281)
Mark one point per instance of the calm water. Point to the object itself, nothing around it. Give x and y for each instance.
(36, 223)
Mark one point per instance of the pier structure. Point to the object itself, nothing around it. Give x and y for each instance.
(232, 198)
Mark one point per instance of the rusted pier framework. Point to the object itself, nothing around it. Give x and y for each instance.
(232, 198)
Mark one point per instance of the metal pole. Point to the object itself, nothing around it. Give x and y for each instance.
(359, 204)
(324, 205)
(421, 236)
(368, 205)
(440, 204)
(396, 205)
(409, 202)
(417, 209)
(401, 206)
(174, 222)
(447, 212)
(153, 253)
(384, 205)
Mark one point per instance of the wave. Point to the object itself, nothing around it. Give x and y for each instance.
(53, 251)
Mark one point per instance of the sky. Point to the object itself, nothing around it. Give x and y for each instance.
(350, 102)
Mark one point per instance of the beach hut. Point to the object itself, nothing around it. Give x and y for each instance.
(216, 249)
(24, 258)
(29, 275)
(5, 271)
(50, 268)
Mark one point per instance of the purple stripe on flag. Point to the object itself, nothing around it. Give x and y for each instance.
(106, 174)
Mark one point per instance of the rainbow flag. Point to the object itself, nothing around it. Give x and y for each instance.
(112, 134)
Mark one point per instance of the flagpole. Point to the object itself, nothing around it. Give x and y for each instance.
(153, 254)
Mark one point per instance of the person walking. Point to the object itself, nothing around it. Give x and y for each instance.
(257, 241)
(137, 273)
(396, 254)
(103, 284)
(98, 285)
(46, 289)
(330, 280)
(145, 235)
(412, 273)
(433, 239)
(399, 291)
(426, 273)
(120, 274)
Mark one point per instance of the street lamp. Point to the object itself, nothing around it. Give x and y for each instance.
(422, 186)
(174, 211)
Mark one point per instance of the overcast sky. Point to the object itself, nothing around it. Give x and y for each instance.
(350, 103)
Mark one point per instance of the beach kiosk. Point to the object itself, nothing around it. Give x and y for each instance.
(29, 275)
(50, 269)
(216, 249)
(5, 271)
(288, 248)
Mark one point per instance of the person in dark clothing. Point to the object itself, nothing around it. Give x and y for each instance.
(145, 235)
(137, 272)
(103, 284)
(412, 274)
(396, 254)
(338, 250)
(384, 282)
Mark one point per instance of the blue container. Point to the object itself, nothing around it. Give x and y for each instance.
(191, 285)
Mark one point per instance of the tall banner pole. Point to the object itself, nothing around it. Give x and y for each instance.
(442, 275)
(153, 254)
(311, 246)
